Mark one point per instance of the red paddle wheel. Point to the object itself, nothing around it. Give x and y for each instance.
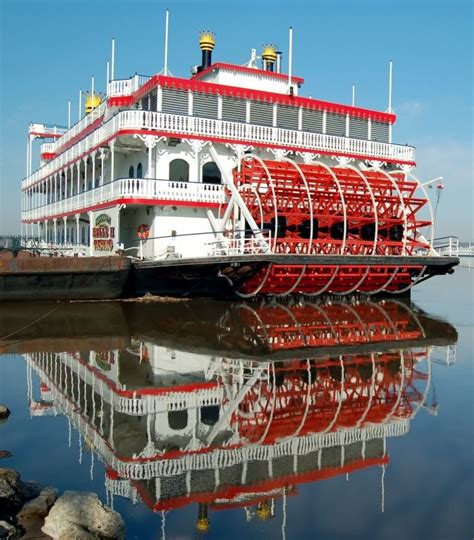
(303, 397)
(318, 210)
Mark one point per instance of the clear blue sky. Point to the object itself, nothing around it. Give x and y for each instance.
(51, 48)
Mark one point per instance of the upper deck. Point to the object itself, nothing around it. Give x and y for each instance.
(228, 104)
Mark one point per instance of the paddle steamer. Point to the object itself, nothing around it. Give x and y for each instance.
(231, 181)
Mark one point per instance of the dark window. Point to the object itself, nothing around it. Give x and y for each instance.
(211, 173)
(139, 170)
(179, 170)
(131, 172)
(178, 419)
(210, 414)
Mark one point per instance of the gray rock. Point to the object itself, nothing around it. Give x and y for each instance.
(81, 516)
(8, 531)
(30, 490)
(4, 412)
(10, 498)
(39, 506)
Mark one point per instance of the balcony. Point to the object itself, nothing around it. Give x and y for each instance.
(131, 189)
(225, 131)
(126, 87)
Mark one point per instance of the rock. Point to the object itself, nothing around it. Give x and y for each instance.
(10, 498)
(8, 531)
(14, 492)
(30, 490)
(4, 412)
(39, 506)
(5, 454)
(81, 516)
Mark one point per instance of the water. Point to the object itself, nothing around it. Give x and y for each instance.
(340, 420)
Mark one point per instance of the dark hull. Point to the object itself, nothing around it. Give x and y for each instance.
(204, 277)
(68, 278)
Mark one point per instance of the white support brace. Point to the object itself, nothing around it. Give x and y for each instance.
(229, 183)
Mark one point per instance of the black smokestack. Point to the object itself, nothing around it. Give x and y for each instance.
(207, 43)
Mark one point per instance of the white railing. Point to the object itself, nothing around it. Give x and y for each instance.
(447, 245)
(48, 147)
(46, 129)
(75, 130)
(49, 248)
(125, 87)
(237, 244)
(131, 188)
(221, 129)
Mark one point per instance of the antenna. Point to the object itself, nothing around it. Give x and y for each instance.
(353, 95)
(167, 24)
(92, 89)
(112, 64)
(390, 66)
(290, 55)
(69, 114)
(80, 104)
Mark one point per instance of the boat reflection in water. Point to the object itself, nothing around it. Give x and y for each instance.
(235, 405)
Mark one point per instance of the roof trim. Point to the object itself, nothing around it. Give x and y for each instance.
(195, 85)
(244, 69)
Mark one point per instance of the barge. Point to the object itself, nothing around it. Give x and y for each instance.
(232, 183)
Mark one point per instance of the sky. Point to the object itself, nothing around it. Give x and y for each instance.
(50, 49)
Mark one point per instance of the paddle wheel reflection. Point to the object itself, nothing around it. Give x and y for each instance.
(173, 426)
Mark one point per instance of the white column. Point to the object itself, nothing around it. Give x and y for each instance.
(325, 115)
(275, 113)
(102, 160)
(190, 103)
(55, 229)
(159, 99)
(86, 184)
(369, 130)
(77, 229)
(91, 238)
(65, 229)
(112, 160)
(247, 112)
(78, 180)
(219, 107)
(347, 125)
(300, 118)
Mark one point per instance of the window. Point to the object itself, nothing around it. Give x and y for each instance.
(131, 172)
(179, 170)
(178, 419)
(211, 173)
(139, 171)
(210, 414)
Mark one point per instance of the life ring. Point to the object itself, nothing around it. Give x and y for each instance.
(143, 231)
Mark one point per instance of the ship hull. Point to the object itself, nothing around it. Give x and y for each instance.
(284, 275)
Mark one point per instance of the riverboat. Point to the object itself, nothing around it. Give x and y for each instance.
(231, 182)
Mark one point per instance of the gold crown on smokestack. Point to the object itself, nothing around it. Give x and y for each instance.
(207, 41)
(269, 53)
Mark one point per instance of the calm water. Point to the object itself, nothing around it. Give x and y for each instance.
(263, 420)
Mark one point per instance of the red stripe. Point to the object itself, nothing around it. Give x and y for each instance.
(125, 200)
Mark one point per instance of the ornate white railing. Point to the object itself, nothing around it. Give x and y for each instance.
(125, 87)
(221, 129)
(131, 188)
